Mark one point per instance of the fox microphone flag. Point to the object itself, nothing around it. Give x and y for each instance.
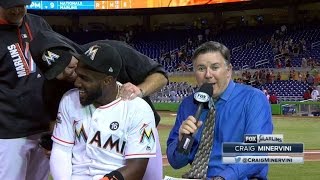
(201, 97)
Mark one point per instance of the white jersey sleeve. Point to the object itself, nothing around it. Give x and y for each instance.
(60, 162)
(141, 132)
(63, 132)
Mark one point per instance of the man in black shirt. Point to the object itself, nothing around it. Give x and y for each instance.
(23, 117)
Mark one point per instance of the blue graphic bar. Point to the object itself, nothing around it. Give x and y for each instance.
(262, 148)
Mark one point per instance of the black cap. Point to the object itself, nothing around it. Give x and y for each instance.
(101, 57)
(13, 3)
(54, 61)
(51, 52)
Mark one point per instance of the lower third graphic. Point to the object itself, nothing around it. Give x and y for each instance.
(262, 160)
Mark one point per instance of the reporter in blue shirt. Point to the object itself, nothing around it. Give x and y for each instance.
(240, 110)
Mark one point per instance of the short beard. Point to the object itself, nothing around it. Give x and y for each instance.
(93, 96)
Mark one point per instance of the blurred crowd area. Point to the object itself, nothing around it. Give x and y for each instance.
(280, 58)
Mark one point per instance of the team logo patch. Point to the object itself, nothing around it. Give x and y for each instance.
(146, 134)
(92, 51)
(50, 57)
(58, 119)
(114, 126)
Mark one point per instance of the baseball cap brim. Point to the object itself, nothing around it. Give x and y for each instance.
(13, 3)
(84, 59)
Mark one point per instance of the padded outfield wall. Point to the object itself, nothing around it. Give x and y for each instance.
(284, 108)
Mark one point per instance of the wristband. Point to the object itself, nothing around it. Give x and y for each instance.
(114, 175)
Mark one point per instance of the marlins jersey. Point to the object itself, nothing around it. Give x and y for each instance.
(103, 138)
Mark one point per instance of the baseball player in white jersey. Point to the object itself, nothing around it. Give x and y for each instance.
(97, 133)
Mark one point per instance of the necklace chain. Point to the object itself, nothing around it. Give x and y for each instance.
(118, 89)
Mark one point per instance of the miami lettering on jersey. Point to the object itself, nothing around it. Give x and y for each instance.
(22, 66)
(117, 145)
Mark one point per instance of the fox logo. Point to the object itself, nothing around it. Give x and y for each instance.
(92, 51)
(50, 57)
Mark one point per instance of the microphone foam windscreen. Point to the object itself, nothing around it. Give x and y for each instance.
(207, 88)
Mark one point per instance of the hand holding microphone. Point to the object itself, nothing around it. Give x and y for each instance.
(191, 124)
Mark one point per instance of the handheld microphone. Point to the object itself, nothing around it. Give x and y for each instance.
(201, 97)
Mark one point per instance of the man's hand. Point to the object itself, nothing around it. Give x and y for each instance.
(47, 152)
(189, 126)
(46, 143)
(130, 91)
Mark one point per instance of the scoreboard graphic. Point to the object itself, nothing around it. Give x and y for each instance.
(262, 149)
(118, 4)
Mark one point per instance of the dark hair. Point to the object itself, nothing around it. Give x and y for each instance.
(212, 46)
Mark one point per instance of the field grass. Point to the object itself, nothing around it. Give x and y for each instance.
(305, 130)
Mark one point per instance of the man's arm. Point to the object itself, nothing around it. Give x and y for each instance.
(140, 70)
(259, 121)
(63, 140)
(134, 169)
(176, 159)
(60, 162)
(45, 25)
(153, 83)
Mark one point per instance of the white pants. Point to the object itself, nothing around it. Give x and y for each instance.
(23, 159)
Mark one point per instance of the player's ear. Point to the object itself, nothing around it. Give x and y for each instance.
(107, 80)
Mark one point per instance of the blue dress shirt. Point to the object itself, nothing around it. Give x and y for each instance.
(240, 110)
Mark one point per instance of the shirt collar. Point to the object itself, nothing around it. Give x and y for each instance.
(227, 93)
